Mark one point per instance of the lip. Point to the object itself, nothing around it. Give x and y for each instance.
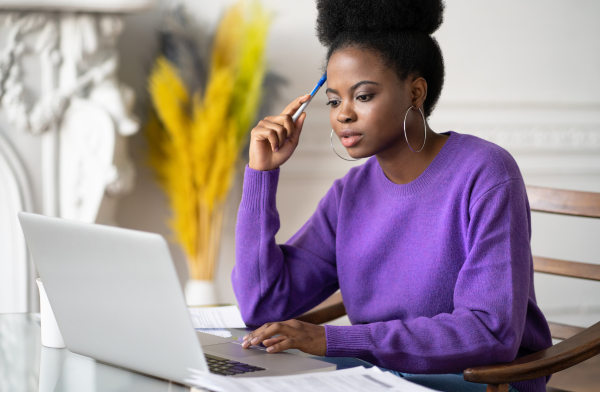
(350, 138)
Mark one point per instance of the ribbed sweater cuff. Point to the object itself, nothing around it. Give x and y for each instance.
(533, 385)
(347, 341)
(260, 189)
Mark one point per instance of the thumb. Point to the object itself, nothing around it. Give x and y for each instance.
(298, 129)
(299, 123)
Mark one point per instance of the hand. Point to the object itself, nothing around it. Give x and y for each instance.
(303, 336)
(274, 139)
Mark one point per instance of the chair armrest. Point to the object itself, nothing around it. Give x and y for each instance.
(561, 356)
(324, 315)
(330, 309)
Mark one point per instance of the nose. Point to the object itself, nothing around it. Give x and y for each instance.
(346, 114)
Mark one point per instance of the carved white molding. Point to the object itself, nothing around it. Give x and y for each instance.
(87, 136)
(538, 137)
(108, 6)
(88, 61)
(526, 127)
(75, 105)
(80, 50)
(546, 138)
(15, 196)
(12, 87)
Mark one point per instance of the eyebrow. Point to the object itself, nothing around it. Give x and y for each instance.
(354, 87)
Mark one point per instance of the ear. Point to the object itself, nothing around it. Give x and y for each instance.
(418, 91)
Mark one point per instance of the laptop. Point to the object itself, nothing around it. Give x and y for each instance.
(116, 297)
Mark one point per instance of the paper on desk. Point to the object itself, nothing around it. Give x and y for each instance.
(224, 333)
(359, 379)
(216, 317)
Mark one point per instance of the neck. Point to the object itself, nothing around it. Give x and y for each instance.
(401, 165)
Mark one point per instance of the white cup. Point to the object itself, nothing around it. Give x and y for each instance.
(51, 336)
(51, 367)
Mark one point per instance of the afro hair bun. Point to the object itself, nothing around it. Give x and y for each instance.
(338, 16)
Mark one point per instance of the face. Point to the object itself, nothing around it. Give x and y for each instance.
(367, 101)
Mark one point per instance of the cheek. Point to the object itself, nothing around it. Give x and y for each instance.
(384, 124)
(378, 115)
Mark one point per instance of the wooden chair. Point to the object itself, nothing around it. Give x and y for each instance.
(578, 344)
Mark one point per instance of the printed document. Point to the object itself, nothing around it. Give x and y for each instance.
(359, 379)
(216, 332)
(216, 317)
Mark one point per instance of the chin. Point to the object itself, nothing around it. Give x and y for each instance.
(358, 153)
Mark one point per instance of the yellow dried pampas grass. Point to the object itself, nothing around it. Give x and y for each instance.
(195, 138)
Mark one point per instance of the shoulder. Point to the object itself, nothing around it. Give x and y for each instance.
(483, 165)
(487, 158)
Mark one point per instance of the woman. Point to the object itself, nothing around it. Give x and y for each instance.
(428, 240)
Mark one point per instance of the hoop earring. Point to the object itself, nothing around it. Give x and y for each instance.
(336, 153)
(424, 124)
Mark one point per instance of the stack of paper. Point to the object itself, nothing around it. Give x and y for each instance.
(212, 320)
(359, 379)
(216, 317)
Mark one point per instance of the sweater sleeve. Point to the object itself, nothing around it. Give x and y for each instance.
(277, 282)
(490, 300)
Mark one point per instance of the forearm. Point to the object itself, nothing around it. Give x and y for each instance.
(256, 252)
(447, 343)
(273, 282)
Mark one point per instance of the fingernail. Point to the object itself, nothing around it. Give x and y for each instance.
(271, 349)
(245, 337)
(255, 341)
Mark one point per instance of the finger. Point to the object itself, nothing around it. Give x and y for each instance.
(281, 346)
(289, 125)
(266, 134)
(285, 121)
(248, 338)
(274, 329)
(274, 140)
(275, 340)
(295, 105)
(295, 138)
(282, 132)
(299, 123)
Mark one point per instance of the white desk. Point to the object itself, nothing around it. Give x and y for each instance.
(27, 366)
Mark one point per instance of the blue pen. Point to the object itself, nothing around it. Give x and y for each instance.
(312, 94)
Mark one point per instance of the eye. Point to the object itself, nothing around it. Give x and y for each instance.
(364, 97)
(333, 103)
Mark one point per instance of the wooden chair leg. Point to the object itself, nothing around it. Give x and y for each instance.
(503, 387)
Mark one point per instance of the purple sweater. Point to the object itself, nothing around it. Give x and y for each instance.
(436, 274)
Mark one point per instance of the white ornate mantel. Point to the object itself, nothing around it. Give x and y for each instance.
(58, 87)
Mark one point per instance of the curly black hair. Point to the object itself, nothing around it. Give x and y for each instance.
(398, 30)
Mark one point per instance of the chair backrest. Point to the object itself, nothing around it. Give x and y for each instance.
(565, 202)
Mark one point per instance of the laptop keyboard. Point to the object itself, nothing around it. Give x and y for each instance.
(223, 366)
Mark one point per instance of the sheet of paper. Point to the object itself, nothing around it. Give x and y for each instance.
(216, 332)
(216, 317)
(359, 379)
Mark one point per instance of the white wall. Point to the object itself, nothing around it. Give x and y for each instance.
(521, 73)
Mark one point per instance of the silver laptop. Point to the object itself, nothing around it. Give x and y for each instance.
(117, 299)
